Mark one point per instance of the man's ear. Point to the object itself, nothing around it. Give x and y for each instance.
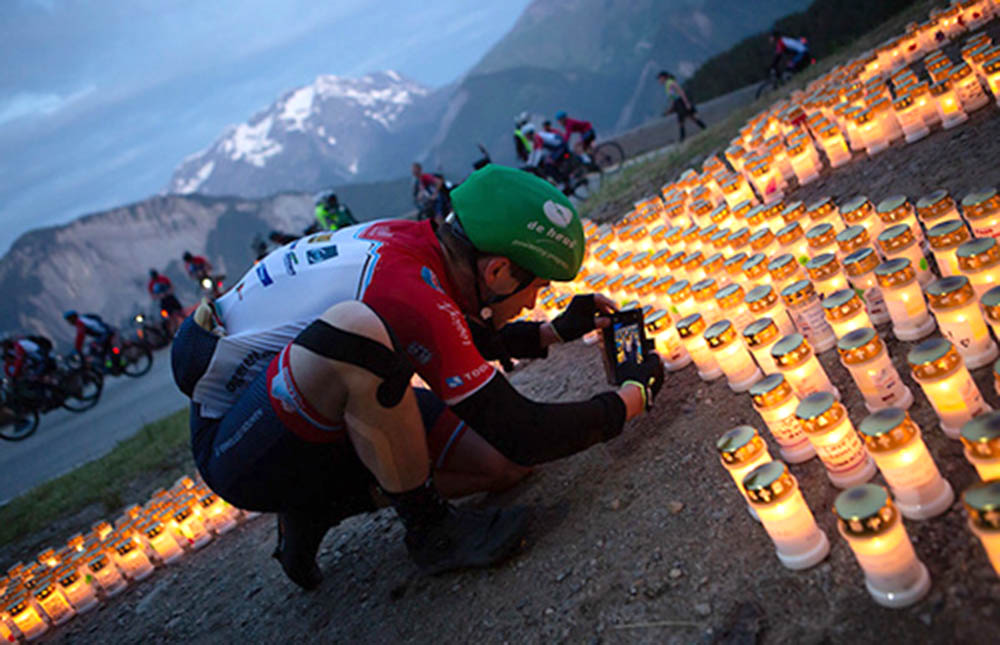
(497, 275)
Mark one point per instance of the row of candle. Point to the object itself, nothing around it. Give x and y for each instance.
(74, 578)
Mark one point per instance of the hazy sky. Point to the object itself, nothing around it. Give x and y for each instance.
(101, 99)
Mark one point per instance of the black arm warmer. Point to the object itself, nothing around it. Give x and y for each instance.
(514, 340)
(529, 433)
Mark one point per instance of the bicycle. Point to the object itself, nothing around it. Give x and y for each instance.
(608, 157)
(17, 420)
(133, 358)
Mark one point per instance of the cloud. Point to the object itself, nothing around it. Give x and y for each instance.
(25, 104)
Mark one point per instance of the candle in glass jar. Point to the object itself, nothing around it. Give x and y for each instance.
(50, 598)
(949, 108)
(732, 356)
(732, 306)
(740, 451)
(774, 493)
(805, 310)
(990, 303)
(76, 588)
(851, 239)
(967, 88)
(864, 355)
(991, 69)
(763, 241)
(785, 270)
(898, 210)
(897, 241)
(944, 239)
(982, 503)
(946, 382)
(936, 207)
(131, 558)
(733, 266)
(979, 260)
(954, 304)
(821, 239)
(845, 311)
(826, 275)
(837, 444)
(859, 210)
(796, 360)
(910, 118)
(754, 270)
(691, 330)
(760, 336)
(763, 302)
(793, 241)
(25, 616)
(982, 210)
(667, 341)
(873, 528)
(904, 300)
(805, 162)
(681, 299)
(894, 441)
(981, 440)
(775, 402)
(692, 266)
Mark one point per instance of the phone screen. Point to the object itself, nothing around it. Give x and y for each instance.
(624, 343)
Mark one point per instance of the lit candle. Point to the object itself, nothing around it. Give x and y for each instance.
(681, 300)
(668, 343)
(104, 572)
(981, 440)
(188, 518)
(50, 599)
(845, 311)
(967, 88)
(675, 265)
(979, 260)
(837, 444)
(897, 241)
(881, 109)
(76, 588)
(851, 239)
(991, 68)
(936, 207)
(658, 293)
(732, 306)
(700, 210)
(763, 241)
(905, 301)
(692, 266)
(740, 451)
(806, 312)
(775, 402)
(25, 616)
(864, 355)
(722, 217)
(766, 180)
(754, 270)
(821, 238)
(131, 558)
(958, 315)
(898, 210)
(217, 513)
(774, 493)
(825, 211)
(804, 161)
(733, 266)
(732, 356)
(796, 360)
(982, 210)
(719, 241)
(834, 145)
(161, 542)
(785, 270)
(739, 240)
(859, 210)
(826, 275)
(873, 528)
(944, 239)
(760, 336)
(910, 118)
(763, 302)
(946, 382)
(982, 503)
(894, 441)
(691, 330)
(703, 293)
(949, 108)
(613, 288)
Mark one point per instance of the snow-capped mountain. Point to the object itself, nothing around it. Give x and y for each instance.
(333, 131)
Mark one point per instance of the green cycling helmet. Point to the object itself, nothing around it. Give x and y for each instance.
(510, 212)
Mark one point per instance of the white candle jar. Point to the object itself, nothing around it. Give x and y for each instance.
(897, 241)
(825, 211)
(869, 129)
(981, 441)
(703, 293)
(860, 211)
(732, 306)
(898, 210)
(845, 311)
(763, 302)
(956, 309)
(775, 402)
(982, 503)
(691, 330)
(821, 239)
(740, 451)
(910, 318)
(104, 572)
(805, 164)
(774, 493)
(25, 616)
(796, 360)
(763, 241)
(675, 265)
(864, 355)
(754, 271)
(851, 239)
(161, 542)
(785, 270)
(936, 207)
(949, 108)
(76, 588)
(982, 210)
(944, 239)
(979, 260)
(719, 242)
(805, 310)
(760, 336)
(894, 442)
(834, 145)
(692, 266)
(732, 356)
(967, 88)
(837, 444)
(733, 266)
(131, 558)
(49, 598)
(910, 118)
(991, 68)
(681, 300)
(860, 269)
(667, 341)
(792, 241)
(946, 382)
(826, 275)
(873, 528)
(990, 302)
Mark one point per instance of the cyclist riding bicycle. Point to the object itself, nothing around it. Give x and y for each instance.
(795, 49)
(522, 142)
(547, 150)
(428, 193)
(161, 290)
(28, 363)
(331, 214)
(300, 384)
(196, 266)
(102, 333)
(680, 104)
(583, 128)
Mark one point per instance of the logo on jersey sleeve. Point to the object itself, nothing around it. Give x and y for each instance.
(431, 279)
(264, 277)
(290, 261)
(419, 353)
(453, 381)
(322, 254)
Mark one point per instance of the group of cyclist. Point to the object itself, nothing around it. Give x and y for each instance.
(546, 151)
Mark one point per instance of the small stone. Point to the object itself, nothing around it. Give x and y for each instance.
(703, 609)
(675, 573)
(549, 611)
(675, 507)
(925, 618)
(253, 592)
(615, 504)
(562, 576)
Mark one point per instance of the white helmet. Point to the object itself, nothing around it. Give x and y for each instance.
(528, 128)
(521, 119)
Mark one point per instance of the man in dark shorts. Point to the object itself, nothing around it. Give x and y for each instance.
(679, 102)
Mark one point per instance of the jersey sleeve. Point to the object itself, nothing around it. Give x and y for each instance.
(431, 329)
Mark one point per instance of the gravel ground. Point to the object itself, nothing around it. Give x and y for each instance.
(644, 539)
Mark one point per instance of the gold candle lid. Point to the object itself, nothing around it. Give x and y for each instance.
(819, 412)
(791, 351)
(782, 267)
(740, 210)
(729, 296)
(690, 234)
(720, 334)
(895, 273)
(896, 238)
(704, 290)
(952, 291)
(981, 203)
(760, 332)
(823, 266)
(741, 445)
(859, 346)
(991, 304)
(656, 322)
(821, 208)
(865, 511)
(798, 292)
(981, 435)
(700, 207)
(679, 291)
(934, 358)
(691, 326)
(857, 209)
(756, 215)
(860, 262)
(982, 503)
(659, 258)
(947, 235)
(935, 205)
(771, 391)
(734, 264)
(978, 253)
(820, 235)
(769, 483)
(761, 239)
(673, 235)
(842, 304)
(761, 298)
(793, 212)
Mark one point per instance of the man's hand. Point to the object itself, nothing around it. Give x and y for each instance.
(580, 316)
(648, 375)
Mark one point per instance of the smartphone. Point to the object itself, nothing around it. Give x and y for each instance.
(624, 343)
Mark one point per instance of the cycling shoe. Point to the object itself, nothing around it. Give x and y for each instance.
(467, 538)
(299, 537)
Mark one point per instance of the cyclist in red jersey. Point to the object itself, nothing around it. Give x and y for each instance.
(583, 128)
(300, 375)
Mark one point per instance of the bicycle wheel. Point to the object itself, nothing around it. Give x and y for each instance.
(138, 359)
(17, 425)
(609, 157)
(83, 390)
(582, 188)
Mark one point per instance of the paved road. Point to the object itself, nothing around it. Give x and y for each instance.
(65, 440)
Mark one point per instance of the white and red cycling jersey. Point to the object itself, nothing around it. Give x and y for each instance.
(396, 267)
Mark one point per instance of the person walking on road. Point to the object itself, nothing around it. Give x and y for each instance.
(680, 104)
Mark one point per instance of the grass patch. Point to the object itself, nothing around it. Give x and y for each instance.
(155, 457)
(615, 197)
